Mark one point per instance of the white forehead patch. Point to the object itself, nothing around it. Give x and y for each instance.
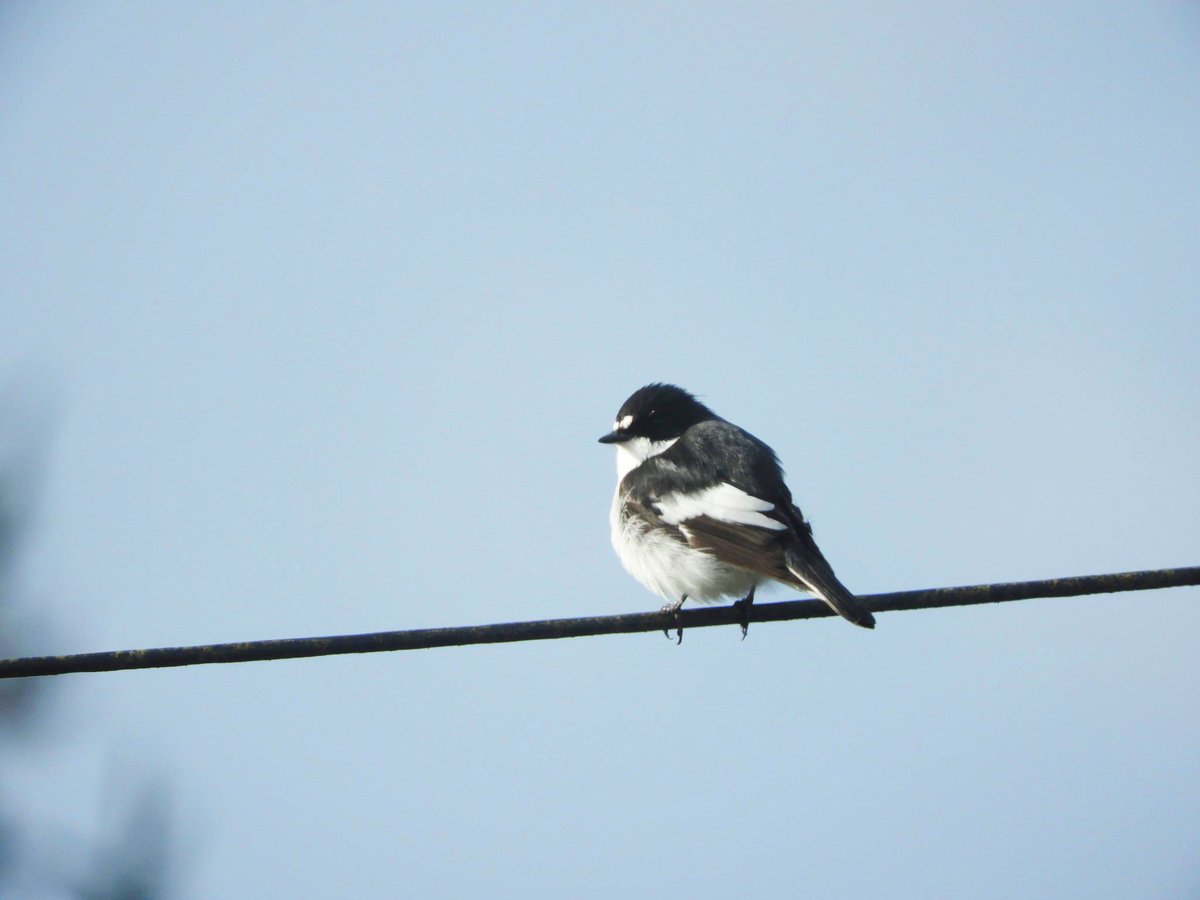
(623, 423)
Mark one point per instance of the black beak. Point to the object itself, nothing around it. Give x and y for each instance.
(614, 437)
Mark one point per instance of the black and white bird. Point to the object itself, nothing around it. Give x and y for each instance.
(701, 509)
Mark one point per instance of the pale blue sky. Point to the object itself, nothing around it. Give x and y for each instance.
(334, 301)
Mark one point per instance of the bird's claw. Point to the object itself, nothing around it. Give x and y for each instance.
(673, 609)
(742, 610)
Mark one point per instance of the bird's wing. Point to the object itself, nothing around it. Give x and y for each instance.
(734, 526)
(724, 510)
(756, 534)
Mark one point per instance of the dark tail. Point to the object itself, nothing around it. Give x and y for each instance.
(816, 576)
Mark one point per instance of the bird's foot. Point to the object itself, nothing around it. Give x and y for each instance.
(673, 609)
(742, 608)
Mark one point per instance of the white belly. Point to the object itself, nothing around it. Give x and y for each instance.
(669, 567)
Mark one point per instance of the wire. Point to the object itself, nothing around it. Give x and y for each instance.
(427, 638)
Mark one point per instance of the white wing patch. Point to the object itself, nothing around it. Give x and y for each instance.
(724, 502)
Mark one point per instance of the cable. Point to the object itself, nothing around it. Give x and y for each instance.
(295, 648)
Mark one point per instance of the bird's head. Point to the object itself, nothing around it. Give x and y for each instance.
(653, 416)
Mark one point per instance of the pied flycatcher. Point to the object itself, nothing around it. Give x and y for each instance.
(701, 509)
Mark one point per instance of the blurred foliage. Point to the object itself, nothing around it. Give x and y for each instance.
(20, 474)
(130, 862)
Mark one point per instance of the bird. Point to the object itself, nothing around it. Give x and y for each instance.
(701, 510)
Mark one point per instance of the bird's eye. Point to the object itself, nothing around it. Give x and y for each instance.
(652, 414)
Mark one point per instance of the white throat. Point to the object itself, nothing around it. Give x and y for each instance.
(635, 451)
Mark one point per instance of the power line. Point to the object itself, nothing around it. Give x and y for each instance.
(427, 638)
